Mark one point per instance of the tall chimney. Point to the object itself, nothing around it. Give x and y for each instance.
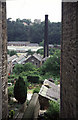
(46, 37)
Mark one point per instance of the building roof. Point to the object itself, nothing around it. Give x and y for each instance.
(28, 57)
(12, 58)
(33, 44)
(37, 56)
(50, 45)
(50, 91)
(21, 59)
(18, 42)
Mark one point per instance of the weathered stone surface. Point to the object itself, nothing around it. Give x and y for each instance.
(33, 108)
(3, 62)
(0, 60)
(69, 73)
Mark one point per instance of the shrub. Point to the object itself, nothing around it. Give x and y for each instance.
(20, 90)
(36, 90)
(53, 111)
(11, 113)
(11, 76)
(12, 81)
(9, 80)
(18, 69)
(33, 79)
(29, 67)
(10, 92)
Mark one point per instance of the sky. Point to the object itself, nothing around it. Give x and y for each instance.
(34, 9)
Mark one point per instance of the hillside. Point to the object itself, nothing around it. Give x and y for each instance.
(26, 30)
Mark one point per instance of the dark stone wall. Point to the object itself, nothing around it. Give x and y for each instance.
(3, 62)
(69, 71)
(0, 61)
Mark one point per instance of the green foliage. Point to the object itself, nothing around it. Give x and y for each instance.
(46, 75)
(27, 21)
(56, 82)
(53, 111)
(34, 33)
(11, 114)
(40, 51)
(29, 67)
(10, 92)
(50, 69)
(25, 78)
(29, 73)
(29, 52)
(18, 69)
(11, 76)
(11, 53)
(52, 65)
(33, 79)
(20, 90)
(53, 50)
(36, 90)
(41, 43)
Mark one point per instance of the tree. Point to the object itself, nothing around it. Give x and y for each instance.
(40, 51)
(29, 67)
(11, 53)
(53, 111)
(52, 64)
(18, 69)
(29, 52)
(33, 32)
(41, 43)
(20, 90)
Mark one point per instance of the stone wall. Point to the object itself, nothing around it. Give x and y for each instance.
(69, 72)
(3, 62)
(0, 61)
(34, 61)
(32, 111)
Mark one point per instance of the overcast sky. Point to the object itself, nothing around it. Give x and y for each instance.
(34, 9)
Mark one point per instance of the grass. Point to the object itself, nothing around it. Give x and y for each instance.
(30, 90)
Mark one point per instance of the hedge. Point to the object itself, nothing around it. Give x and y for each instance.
(33, 79)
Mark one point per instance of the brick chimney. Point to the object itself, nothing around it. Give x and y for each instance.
(46, 37)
